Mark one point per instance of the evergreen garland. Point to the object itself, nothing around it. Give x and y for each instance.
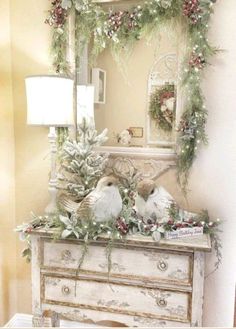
(128, 223)
(57, 19)
(119, 30)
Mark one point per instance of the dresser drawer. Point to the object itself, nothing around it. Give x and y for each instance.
(117, 298)
(152, 265)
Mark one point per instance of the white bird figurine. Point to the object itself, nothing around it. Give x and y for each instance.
(152, 201)
(124, 137)
(100, 205)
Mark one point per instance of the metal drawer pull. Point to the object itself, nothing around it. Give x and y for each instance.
(65, 290)
(161, 302)
(162, 265)
(66, 255)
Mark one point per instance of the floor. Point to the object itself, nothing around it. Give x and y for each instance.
(20, 320)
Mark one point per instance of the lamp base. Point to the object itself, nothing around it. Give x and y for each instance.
(52, 185)
(52, 206)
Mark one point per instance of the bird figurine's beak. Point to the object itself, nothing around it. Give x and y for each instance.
(144, 196)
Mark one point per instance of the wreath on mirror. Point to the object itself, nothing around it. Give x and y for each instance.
(162, 106)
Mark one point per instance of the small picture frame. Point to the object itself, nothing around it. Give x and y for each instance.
(99, 82)
(137, 132)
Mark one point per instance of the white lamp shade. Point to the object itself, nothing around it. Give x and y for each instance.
(49, 101)
(85, 102)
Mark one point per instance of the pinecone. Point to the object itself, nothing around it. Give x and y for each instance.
(192, 10)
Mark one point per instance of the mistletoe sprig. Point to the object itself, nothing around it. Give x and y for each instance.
(119, 30)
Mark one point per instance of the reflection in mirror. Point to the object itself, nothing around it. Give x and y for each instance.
(138, 98)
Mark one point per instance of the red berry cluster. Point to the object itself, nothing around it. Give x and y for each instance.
(122, 226)
(197, 60)
(191, 10)
(183, 126)
(185, 223)
(58, 14)
(121, 18)
(132, 20)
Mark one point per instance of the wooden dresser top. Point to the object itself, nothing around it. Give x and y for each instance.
(194, 243)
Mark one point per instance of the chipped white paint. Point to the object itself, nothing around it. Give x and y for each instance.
(116, 298)
(158, 265)
(37, 320)
(150, 284)
(198, 287)
(108, 319)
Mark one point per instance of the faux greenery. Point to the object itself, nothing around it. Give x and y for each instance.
(119, 30)
(80, 166)
(163, 116)
(128, 223)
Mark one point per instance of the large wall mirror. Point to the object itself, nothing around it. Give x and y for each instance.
(154, 105)
(138, 97)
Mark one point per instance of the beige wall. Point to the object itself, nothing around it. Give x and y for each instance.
(7, 185)
(30, 55)
(24, 50)
(213, 178)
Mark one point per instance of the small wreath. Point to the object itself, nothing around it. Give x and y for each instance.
(162, 106)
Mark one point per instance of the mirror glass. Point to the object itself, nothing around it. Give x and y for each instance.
(136, 96)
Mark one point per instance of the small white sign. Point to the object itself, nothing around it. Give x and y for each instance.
(184, 232)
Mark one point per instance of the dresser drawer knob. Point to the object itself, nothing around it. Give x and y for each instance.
(161, 302)
(65, 290)
(162, 265)
(66, 255)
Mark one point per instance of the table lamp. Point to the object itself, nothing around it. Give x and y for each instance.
(50, 103)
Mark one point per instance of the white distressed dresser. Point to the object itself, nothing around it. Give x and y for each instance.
(151, 284)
